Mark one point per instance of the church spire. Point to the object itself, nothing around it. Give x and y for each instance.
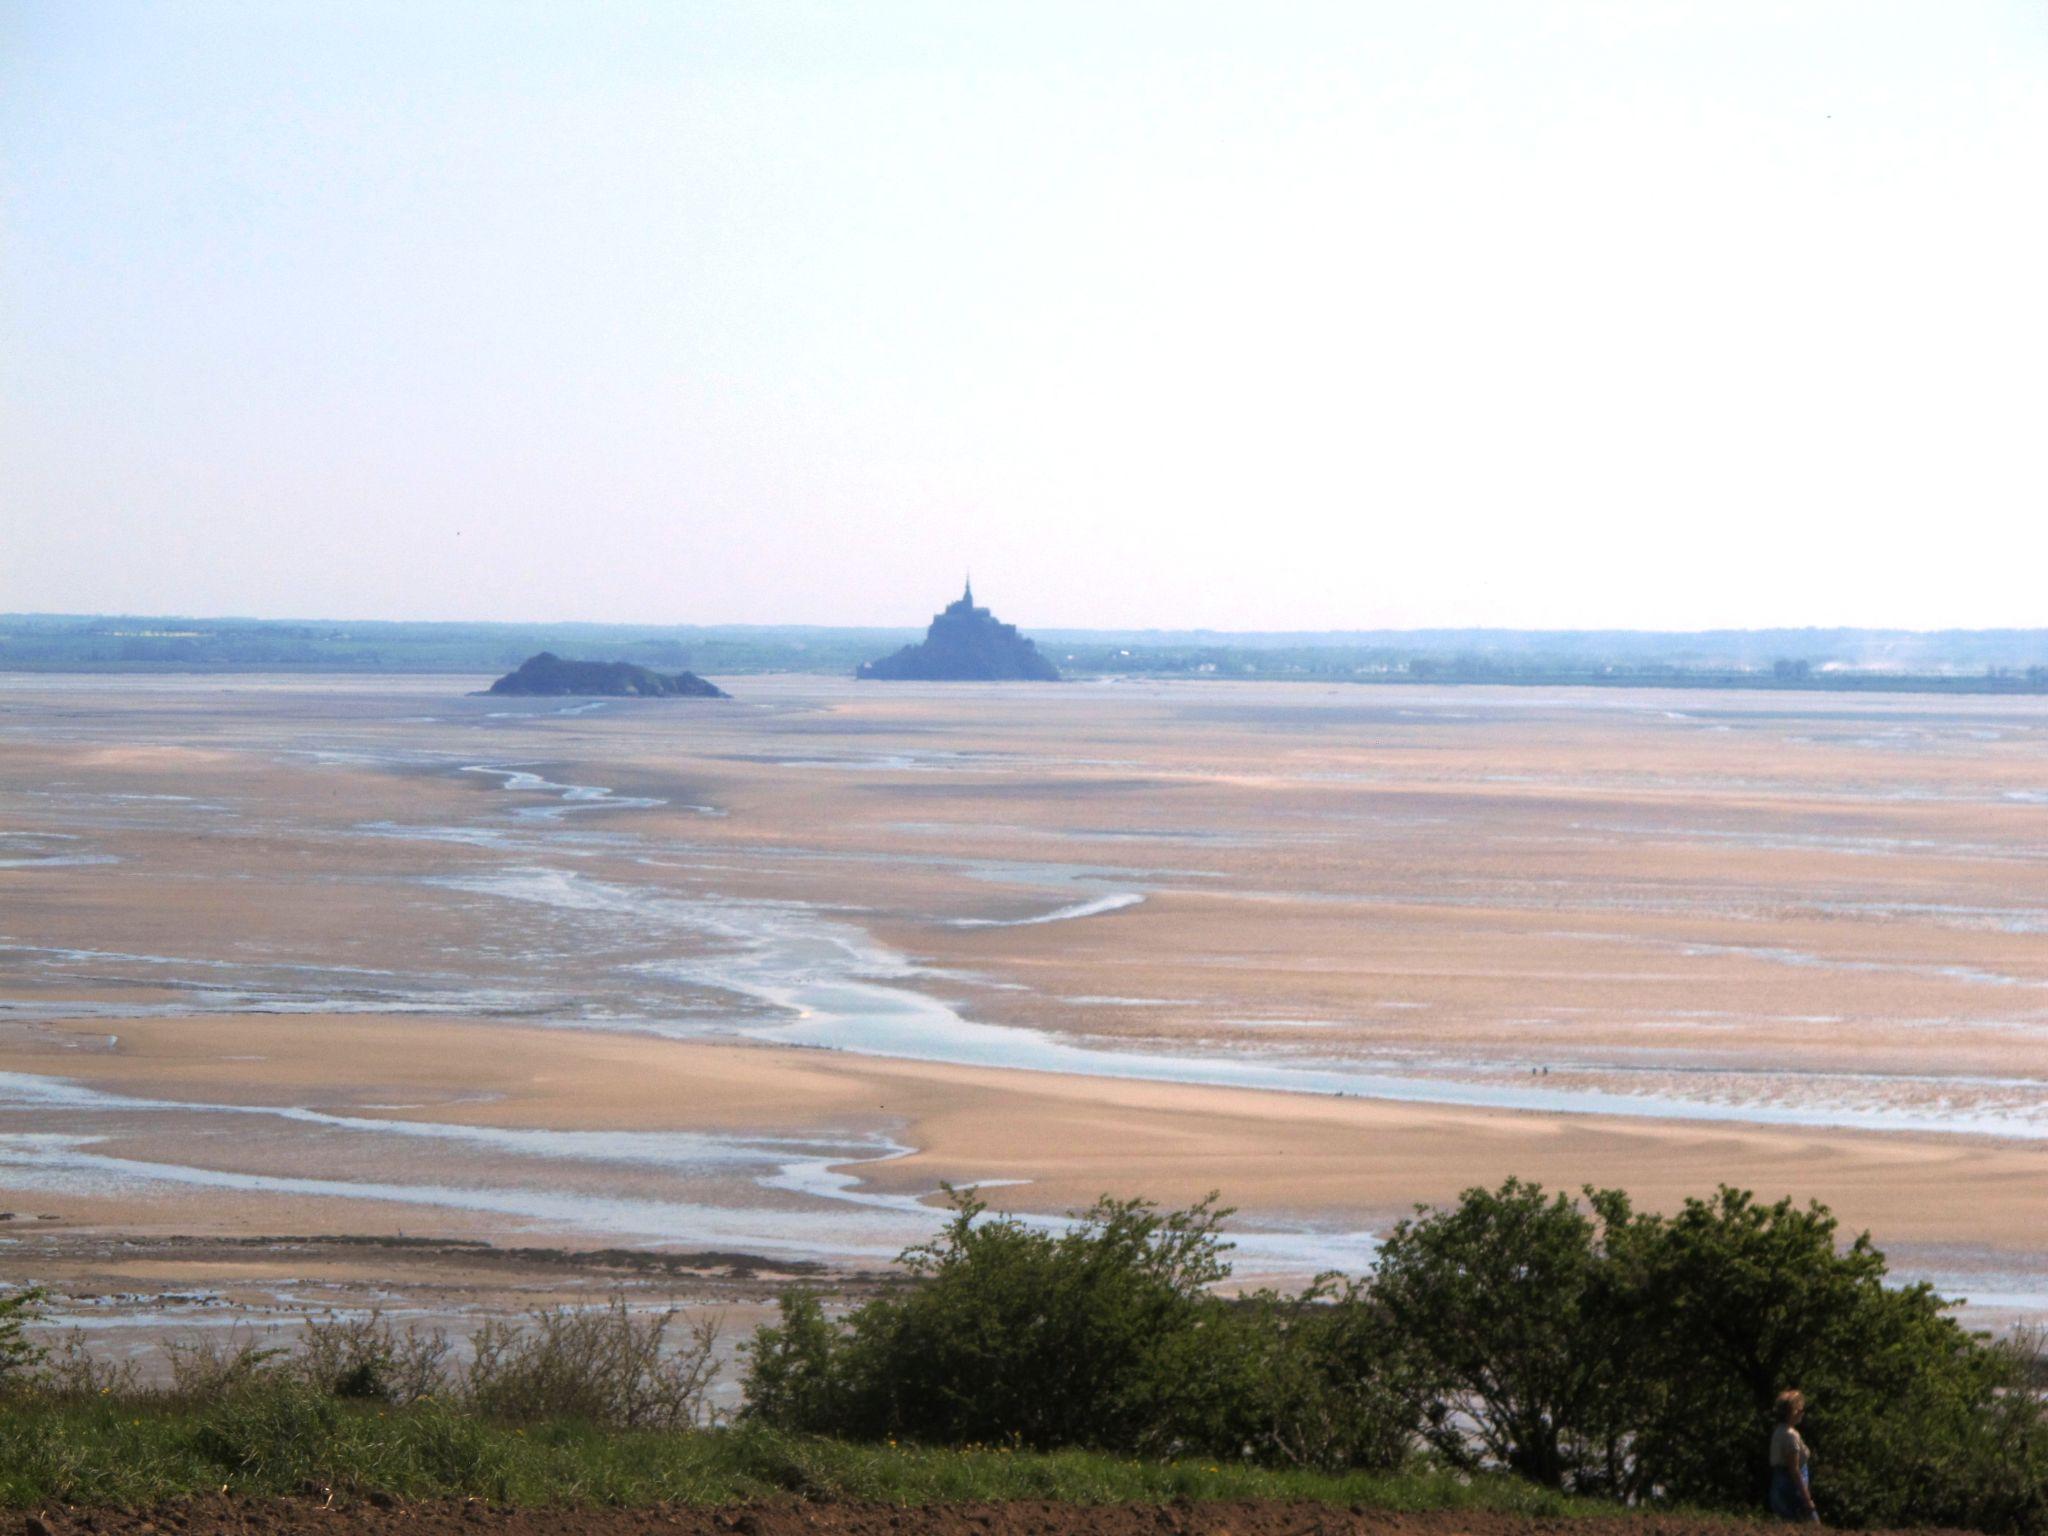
(967, 597)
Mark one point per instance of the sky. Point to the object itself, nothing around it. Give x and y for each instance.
(1241, 316)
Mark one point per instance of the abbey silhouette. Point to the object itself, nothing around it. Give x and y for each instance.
(965, 644)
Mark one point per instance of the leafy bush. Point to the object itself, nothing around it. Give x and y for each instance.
(1016, 1336)
(1512, 1319)
(1021, 1336)
(1105, 1335)
(1736, 1301)
(793, 1369)
(1314, 1380)
(1606, 1350)
(17, 1353)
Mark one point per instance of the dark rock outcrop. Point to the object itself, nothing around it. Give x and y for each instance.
(548, 673)
(965, 644)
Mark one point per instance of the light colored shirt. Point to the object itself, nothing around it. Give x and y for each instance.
(1788, 1450)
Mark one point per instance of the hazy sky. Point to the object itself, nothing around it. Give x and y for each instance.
(1253, 315)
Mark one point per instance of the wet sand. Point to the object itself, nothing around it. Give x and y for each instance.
(369, 956)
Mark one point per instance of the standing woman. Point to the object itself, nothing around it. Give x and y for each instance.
(1791, 1462)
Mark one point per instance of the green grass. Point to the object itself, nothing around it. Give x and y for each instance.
(116, 1451)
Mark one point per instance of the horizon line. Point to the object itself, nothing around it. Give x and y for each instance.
(1057, 629)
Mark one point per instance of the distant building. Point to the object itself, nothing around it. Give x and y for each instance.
(965, 644)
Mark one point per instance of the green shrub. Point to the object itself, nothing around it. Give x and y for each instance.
(1738, 1300)
(1512, 1320)
(1106, 1335)
(18, 1354)
(793, 1375)
(1016, 1335)
(1334, 1384)
(1604, 1350)
(1021, 1336)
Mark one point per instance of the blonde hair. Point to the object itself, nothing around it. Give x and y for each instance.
(1790, 1402)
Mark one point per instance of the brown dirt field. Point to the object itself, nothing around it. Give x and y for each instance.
(290, 1517)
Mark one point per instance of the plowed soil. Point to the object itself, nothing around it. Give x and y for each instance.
(306, 1517)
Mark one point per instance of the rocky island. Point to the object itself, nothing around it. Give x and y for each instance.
(965, 644)
(548, 673)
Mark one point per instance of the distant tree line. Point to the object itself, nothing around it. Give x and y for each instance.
(2000, 661)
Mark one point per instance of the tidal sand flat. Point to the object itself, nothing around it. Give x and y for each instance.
(376, 957)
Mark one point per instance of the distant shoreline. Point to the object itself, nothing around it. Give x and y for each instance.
(1996, 662)
(1710, 682)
